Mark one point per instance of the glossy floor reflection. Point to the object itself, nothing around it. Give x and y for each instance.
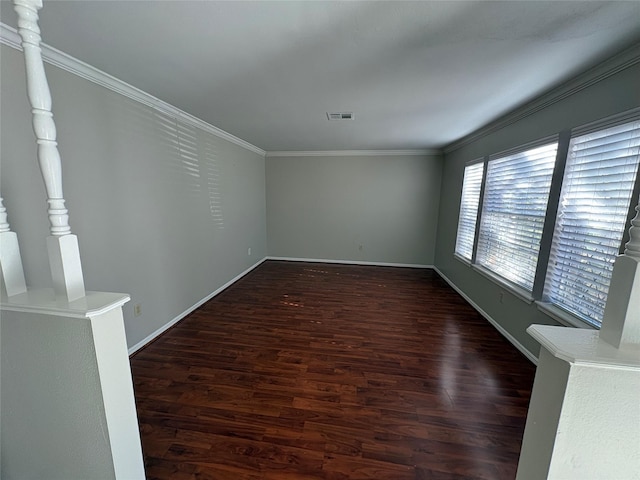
(314, 371)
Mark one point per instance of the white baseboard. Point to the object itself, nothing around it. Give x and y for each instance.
(350, 262)
(525, 351)
(170, 324)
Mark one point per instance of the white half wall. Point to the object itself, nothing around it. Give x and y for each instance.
(53, 426)
(163, 210)
(362, 208)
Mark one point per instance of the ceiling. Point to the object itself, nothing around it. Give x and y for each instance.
(416, 75)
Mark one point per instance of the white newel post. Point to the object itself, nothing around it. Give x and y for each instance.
(10, 260)
(584, 415)
(62, 246)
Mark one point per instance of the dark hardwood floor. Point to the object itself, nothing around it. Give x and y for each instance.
(320, 371)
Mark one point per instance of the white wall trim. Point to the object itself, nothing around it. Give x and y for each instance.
(171, 323)
(354, 153)
(488, 317)
(350, 262)
(9, 36)
(625, 59)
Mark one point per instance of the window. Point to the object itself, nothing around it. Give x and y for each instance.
(547, 220)
(471, 186)
(513, 213)
(594, 204)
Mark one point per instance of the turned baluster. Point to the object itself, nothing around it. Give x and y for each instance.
(632, 248)
(64, 255)
(4, 224)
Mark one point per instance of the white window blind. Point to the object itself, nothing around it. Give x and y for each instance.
(471, 186)
(598, 184)
(513, 213)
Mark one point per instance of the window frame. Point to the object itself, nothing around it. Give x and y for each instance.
(563, 138)
(515, 288)
(557, 309)
(479, 161)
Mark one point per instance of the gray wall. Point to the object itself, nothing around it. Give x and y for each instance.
(613, 95)
(166, 228)
(354, 208)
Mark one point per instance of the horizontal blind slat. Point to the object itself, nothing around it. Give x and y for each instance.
(469, 204)
(513, 212)
(598, 183)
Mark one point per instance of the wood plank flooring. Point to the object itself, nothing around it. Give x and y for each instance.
(323, 371)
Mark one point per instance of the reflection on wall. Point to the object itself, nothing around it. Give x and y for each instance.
(146, 190)
(212, 172)
(188, 155)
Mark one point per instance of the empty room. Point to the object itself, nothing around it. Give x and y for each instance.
(319, 240)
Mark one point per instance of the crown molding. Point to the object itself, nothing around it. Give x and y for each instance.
(353, 153)
(10, 37)
(625, 59)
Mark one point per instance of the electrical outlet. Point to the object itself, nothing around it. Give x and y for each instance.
(501, 297)
(249, 251)
(137, 310)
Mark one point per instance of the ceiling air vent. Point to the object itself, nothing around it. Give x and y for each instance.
(340, 116)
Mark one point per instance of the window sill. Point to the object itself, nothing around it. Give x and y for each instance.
(462, 259)
(518, 292)
(563, 317)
